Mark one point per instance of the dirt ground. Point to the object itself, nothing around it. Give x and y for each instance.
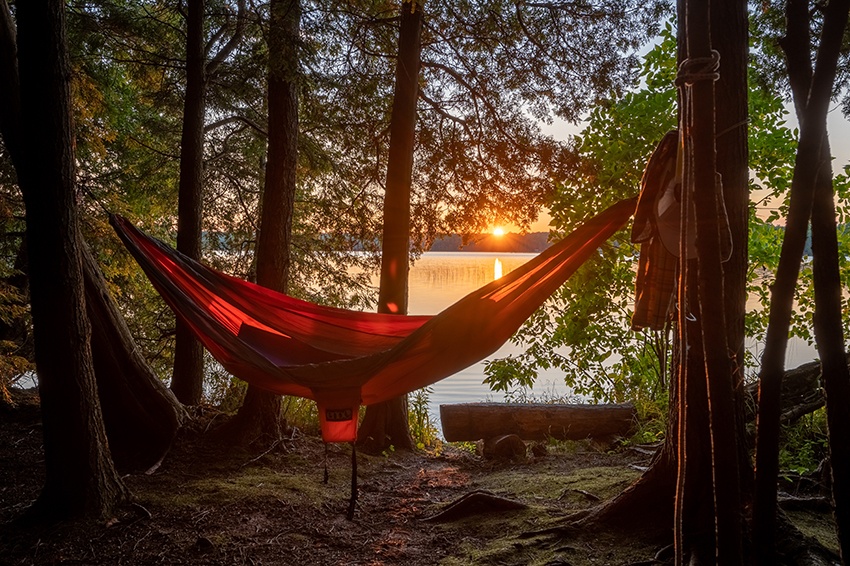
(213, 505)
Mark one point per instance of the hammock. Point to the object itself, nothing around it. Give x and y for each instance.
(341, 358)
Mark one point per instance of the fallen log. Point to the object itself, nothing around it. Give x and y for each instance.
(474, 421)
(801, 393)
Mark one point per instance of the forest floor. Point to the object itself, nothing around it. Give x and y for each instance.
(211, 505)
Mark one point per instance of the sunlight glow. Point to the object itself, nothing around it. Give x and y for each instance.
(497, 269)
(498, 231)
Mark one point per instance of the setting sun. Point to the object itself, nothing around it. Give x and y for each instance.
(498, 231)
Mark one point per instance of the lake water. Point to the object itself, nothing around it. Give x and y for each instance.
(438, 279)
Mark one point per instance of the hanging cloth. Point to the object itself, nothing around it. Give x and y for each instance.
(656, 229)
(341, 358)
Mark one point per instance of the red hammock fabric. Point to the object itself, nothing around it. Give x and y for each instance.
(343, 358)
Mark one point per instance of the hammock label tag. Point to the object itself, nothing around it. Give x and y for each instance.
(338, 415)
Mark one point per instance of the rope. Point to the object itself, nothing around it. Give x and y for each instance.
(695, 69)
(95, 198)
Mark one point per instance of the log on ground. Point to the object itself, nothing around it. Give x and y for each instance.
(474, 421)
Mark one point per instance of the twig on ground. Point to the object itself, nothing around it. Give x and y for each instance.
(270, 448)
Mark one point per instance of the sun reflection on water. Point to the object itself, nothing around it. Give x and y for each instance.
(497, 269)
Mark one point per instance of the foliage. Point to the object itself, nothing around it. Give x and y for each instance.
(767, 28)
(772, 157)
(804, 444)
(651, 420)
(300, 413)
(16, 347)
(491, 72)
(777, 159)
(422, 428)
(583, 329)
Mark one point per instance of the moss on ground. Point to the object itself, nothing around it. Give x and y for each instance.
(816, 525)
(251, 483)
(577, 487)
(498, 542)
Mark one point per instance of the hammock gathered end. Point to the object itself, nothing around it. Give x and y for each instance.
(342, 358)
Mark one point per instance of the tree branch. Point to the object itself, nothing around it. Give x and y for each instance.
(230, 119)
(228, 48)
(439, 110)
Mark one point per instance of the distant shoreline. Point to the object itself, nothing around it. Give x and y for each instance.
(533, 242)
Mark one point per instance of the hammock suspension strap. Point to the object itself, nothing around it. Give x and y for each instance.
(352, 502)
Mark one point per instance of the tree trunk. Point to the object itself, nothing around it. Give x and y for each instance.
(188, 379)
(829, 335)
(140, 414)
(700, 173)
(730, 36)
(385, 424)
(812, 134)
(694, 511)
(652, 497)
(259, 415)
(80, 478)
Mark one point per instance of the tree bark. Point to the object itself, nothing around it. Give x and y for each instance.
(730, 36)
(385, 424)
(188, 378)
(80, 478)
(829, 335)
(259, 415)
(694, 505)
(712, 321)
(807, 164)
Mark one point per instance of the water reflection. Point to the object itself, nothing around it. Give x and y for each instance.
(438, 279)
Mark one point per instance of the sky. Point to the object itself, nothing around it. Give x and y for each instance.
(839, 137)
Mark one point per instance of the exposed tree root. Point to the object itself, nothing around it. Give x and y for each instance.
(473, 503)
(649, 501)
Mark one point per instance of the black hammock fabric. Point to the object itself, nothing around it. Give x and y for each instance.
(341, 358)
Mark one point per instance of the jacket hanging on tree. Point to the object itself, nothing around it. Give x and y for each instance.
(656, 229)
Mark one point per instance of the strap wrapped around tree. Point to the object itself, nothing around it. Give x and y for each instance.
(343, 358)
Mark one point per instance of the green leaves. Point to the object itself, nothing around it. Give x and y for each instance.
(584, 329)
